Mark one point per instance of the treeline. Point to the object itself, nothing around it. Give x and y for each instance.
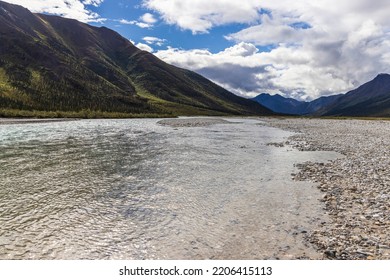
(84, 114)
(44, 90)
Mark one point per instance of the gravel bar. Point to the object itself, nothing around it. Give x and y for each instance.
(356, 187)
(192, 122)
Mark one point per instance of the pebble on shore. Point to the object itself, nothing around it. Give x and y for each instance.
(192, 122)
(356, 187)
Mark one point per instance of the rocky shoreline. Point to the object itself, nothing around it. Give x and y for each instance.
(356, 187)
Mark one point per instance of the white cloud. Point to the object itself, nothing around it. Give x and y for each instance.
(74, 9)
(144, 47)
(95, 3)
(293, 71)
(200, 16)
(134, 22)
(318, 47)
(148, 18)
(242, 49)
(146, 21)
(271, 31)
(125, 21)
(154, 40)
(234, 68)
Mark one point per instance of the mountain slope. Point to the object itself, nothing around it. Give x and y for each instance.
(280, 104)
(315, 106)
(49, 63)
(370, 99)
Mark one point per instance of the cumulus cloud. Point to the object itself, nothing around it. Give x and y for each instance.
(146, 21)
(148, 18)
(134, 22)
(200, 16)
(241, 49)
(271, 31)
(235, 68)
(313, 48)
(144, 47)
(297, 72)
(74, 9)
(154, 41)
(95, 3)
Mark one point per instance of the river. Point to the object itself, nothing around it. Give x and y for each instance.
(135, 189)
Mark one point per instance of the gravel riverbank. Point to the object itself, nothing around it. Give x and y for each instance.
(192, 122)
(356, 187)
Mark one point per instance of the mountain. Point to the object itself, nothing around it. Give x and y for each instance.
(49, 63)
(280, 104)
(371, 99)
(315, 106)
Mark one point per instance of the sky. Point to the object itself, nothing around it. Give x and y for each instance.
(302, 49)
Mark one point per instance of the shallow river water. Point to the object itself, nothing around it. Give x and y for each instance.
(134, 189)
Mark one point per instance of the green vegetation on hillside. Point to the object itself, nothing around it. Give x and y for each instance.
(52, 64)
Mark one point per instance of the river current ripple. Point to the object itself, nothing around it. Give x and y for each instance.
(133, 189)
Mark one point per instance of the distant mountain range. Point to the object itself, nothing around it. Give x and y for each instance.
(49, 63)
(372, 99)
(283, 105)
